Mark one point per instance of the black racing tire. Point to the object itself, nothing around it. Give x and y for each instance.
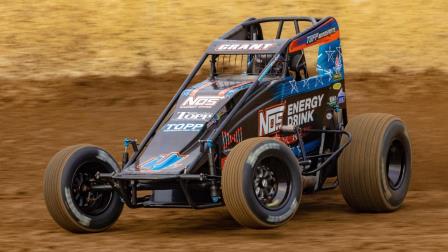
(68, 199)
(374, 171)
(261, 183)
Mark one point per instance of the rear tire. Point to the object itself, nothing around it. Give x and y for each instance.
(374, 170)
(261, 183)
(69, 200)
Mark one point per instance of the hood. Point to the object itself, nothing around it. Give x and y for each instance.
(175, 144)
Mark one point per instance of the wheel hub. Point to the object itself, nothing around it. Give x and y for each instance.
(265, 184)
(88, 201)
(396, 164)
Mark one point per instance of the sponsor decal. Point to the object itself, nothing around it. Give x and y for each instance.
(201, 101)
(244, 46)
(337, 76)
(337, 86)
(302, 111)
(183, 127)
(163, 161)
(332, 99)
(341, 96)
(270, 119)
(326, 33)
(192, 116)
(228, 139)
(289, 139)
(314, 37)
(217, 116)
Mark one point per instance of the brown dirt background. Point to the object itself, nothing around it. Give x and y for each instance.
(46, 38)
(103, 110)
(91, 72)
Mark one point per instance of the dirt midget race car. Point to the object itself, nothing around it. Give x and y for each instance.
(257, 130)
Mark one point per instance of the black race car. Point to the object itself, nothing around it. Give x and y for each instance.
(260, 130)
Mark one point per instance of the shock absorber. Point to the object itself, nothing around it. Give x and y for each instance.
(212, 170)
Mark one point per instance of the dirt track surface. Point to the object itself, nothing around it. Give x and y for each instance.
(40, 117)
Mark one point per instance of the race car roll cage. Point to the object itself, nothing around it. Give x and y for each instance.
(120, 183)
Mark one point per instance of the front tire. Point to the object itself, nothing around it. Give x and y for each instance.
(67, 189)
(374, 170)
(261, 183)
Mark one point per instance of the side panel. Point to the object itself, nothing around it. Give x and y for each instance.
(285, 103)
